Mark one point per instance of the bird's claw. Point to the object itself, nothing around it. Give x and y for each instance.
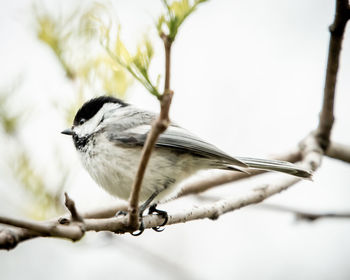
(151, 210)
(163, 214)
(140, 230)
(142, 226)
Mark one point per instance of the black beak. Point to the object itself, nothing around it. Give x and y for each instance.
(68, 131)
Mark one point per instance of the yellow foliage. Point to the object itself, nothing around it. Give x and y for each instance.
(46, 204)
(8, 119)
(177, 12)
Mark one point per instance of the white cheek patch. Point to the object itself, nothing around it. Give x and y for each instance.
(91, 125)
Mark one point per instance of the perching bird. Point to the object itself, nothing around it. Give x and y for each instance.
(109, 134)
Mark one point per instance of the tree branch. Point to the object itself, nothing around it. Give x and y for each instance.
(167, 47)
(9, 238)
(342, 15)
(339, 151)
(71, 207)
(158, 127)
(73, 231)
(305, 215)
(106, 212)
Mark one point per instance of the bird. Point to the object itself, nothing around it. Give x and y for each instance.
(109, 135)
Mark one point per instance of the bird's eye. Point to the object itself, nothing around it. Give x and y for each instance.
(82, 121)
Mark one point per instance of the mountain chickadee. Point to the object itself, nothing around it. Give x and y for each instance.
(109, 134)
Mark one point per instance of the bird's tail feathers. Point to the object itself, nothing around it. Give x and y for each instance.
(276, 165)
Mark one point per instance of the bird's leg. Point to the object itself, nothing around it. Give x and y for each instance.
(163, 214)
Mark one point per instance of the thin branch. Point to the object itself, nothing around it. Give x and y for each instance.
(167, 47)
(71, 207)
(9, 238)
(215, 210)
(117, 225)
(337, 29)
(339, 151)
(73, 231)
(305, 215)
(158, 127)
(106, 212)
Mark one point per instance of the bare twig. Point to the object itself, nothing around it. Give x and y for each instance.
(158, 127)
(106, 212)
(71, 207)
(167, 47)
(9, 238)
(339, 151)
(73, 231)
(305, 215)
(342, 15)
(213, 211)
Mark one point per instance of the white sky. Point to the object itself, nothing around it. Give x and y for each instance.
(248, 76)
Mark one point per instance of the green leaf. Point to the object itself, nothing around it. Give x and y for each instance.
(136, 64)
(121, 51)
(176, 13)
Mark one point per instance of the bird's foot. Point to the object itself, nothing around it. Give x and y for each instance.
(142, 226)
(152, 209)
(140, 230)
(163, 214)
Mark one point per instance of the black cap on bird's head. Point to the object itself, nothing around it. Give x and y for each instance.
(90, 108)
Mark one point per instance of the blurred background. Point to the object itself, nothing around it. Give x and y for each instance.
(248, 76)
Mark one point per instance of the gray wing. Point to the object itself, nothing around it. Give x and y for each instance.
(174, 138)
(133, 133)
(178, 138)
